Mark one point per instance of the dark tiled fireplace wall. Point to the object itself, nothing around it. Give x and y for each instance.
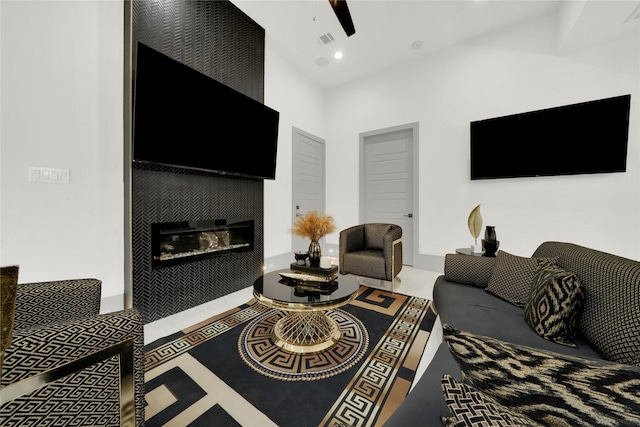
(219, 40)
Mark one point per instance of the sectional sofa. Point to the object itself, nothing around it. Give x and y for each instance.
(553, 338)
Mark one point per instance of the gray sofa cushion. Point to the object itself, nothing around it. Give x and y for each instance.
(472, 309)
(470, 270)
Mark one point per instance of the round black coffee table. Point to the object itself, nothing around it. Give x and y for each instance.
(306, 328)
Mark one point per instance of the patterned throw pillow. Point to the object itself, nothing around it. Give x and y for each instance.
(512, 276)
(550, 388)
(470, 270)
(473, 409)
(554, 304)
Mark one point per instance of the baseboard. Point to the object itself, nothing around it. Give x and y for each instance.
(429, 262)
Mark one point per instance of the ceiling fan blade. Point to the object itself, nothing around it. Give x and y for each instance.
(342, 12)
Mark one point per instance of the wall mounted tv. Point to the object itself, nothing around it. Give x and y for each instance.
(183, 118)
(584, 138)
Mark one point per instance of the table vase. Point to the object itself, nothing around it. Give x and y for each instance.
(315, 252)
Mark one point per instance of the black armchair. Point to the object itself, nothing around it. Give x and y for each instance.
(372, 250)
(67, 364)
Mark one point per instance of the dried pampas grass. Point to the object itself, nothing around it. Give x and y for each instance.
(313, 225)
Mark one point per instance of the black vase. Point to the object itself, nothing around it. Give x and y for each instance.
(315, 252)
(490, 232)
(490, 243)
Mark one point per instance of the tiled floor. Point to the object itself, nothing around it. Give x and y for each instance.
(415, 282)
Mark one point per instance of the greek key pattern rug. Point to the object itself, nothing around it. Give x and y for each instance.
(204, 375)
(257, 350)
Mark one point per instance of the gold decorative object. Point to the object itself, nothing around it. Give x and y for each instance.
(475, 227)
(302, 277)
(306, 332)
(8, 288)
(314, 226)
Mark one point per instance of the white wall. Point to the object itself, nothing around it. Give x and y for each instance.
(301, 105)
(516, 71)
(62, 107)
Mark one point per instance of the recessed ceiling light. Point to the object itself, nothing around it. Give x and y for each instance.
(416, 45)
(322, 62)
(337, 55)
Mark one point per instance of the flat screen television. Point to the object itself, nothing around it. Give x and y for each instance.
(584, 138)
(183, 118)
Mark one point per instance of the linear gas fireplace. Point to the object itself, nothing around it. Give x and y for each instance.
(178, 242)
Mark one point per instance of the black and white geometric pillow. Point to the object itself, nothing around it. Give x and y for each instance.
(554, 305)
(471, 408)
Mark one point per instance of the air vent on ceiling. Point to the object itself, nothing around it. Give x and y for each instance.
(325, 38)
(634, 15)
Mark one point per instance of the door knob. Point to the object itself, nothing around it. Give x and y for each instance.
(409, 215)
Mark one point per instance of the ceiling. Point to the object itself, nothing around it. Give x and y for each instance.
(386, 30)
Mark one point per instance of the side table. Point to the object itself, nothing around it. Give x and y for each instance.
(467, 251)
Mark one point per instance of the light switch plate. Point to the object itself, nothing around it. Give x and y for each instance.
(56, 176)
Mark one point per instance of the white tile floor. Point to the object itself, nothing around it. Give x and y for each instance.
(415, 282)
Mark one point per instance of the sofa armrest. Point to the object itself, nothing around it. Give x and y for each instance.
(42, 303)
(96, 359)
(467, 269)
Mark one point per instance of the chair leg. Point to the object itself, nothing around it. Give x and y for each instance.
(395, 283)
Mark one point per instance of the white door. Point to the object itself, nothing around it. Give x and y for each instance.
(308, 178)
(387, 182)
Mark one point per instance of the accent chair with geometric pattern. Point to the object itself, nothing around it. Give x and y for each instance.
(372, 250)
(69, 365)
